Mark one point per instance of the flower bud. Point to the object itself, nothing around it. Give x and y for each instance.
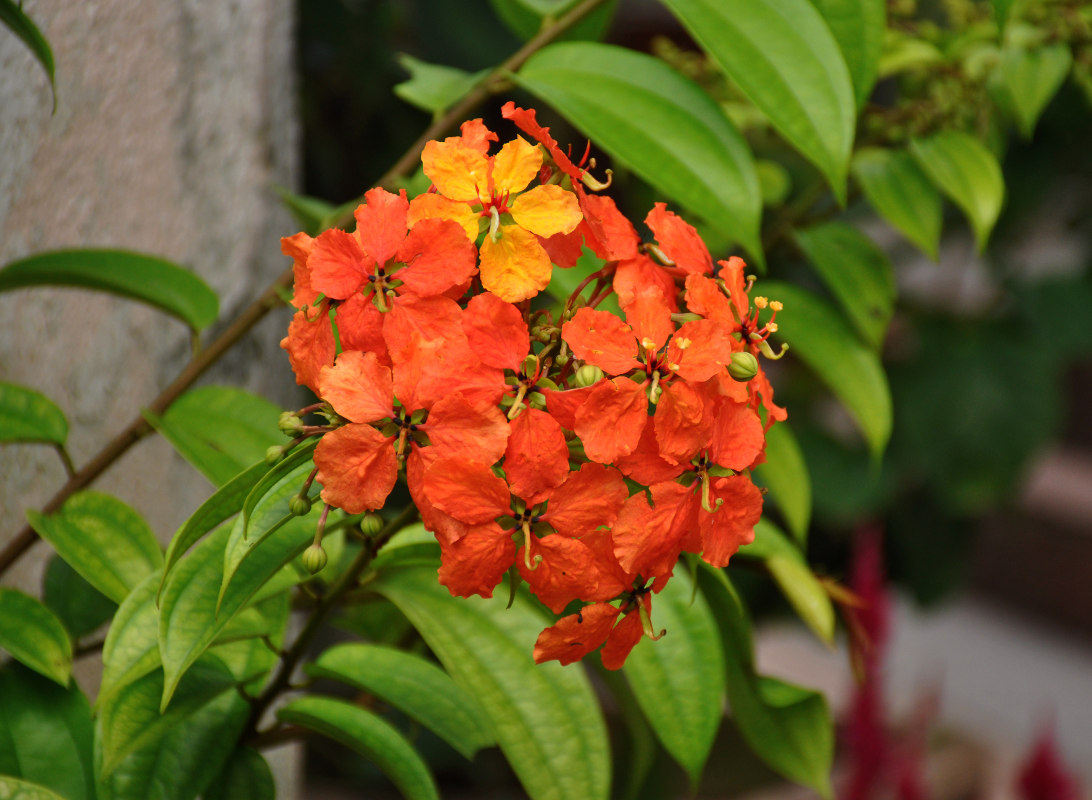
(314, 558)
(290, 424)
(588, 375)
(371, 524)
(530, 364)
(743, 367)
(561, 359)
(299, 505)
(274, 454)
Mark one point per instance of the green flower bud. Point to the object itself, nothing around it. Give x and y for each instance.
(299, 505)
(743, 367)
(314, 558)
(588, 375)
(561, 359)
(371, 524)
(290, 424)
(274, 454)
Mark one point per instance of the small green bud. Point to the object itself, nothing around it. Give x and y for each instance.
(743, 367)
(290, 424)
(274, 454)
(561, 359)
(314, 558)
(588, 375)
(299, 505)
(530, 364)
(371, 524)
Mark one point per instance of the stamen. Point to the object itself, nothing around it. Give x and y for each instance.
(646, 623)
(494, 223)
(530, 563)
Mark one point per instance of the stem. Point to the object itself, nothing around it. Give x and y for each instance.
(344, 583)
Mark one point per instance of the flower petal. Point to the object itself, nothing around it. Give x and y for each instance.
(514, 266)
(356, 467)
(515, 166)
(699, 349)
(358, 387)
(576, 635)
(496, 331)
(339, 265)
(566, 572)
(603, 340)
(381, 223)
(679, 240)
(456, 169)
(738, 438)
(472, 431)
(683, 422)
(546, 210)
(610, 423)
(298, 247)
(438, 256)
(588, 499)
(467, 490)
(435, 206)
(476, 562)
(645, 541)
(732, 525)
(537, 459)
(310, 344)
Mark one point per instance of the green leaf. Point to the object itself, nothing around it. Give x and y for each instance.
(310, 212)
(1001, 10)
(858, 274)
(1026, 80)
(131, 649)
(785, 474)
(132, 719)
(103, 539)
(15, 789)
(964, 170)
(45, 733)
(245, 777)
(80, 607)
(789, 728)
(858, 27)
(783, 56)
(660, 124)
(679, 682)
(408, 682)
(184, 760)
(34, 636)
(224, 503)
(545, 717)
(30, 416)
(525, 18)
(902, 194)
(903, 52)
(821, 337)
(220, 430)
(188, 619)
(434, 87)
(169, 287)
(791, 572)
(372, 737)
(11, 14)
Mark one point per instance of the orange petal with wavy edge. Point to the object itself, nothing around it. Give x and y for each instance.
(454, 367)
(438, 257)
(436, 206)
(588, 499)
(645, 464)
(546, 210)
(298, 247)
(356, 467)
(457, 428)
(567, 571)
(699, 350)
(610, 423)
(613, 580)
(738, 438)
(564, 249)
(764, 389)
(733, 524)
(576, 635)
(360, 327)
(447, 528)
(705, 297)
(563, 405)
(608, 232)
(339, 265)
(496, 331)
(514, 267)
(731, 272)
(358, 387)
(650, 319)
(683, 422)
(474, 134)
(458, 171)
(515, 166)
(537, 459)
(624, 638)
(603, 340)
(644, 539)
(679, 240)
(638, 274)
(381, 223)
(476, 562)
(310, 344)
(467, 490)
(427, 317)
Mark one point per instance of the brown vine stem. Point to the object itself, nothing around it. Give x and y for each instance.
(270, 298)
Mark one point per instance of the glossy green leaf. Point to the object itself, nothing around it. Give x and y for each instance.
(188, 619)
(783, 56)
(658, 123)
(103, 539)
(791, 572)
(1026, 81)
(525, 18)
(310, 212)
(45, 733)
(12, 15)
(30, 416)
(79, 606)
(902, 194)
(371, 736)
(410, 683)
(639, 751)
(545, 717)
(858, 274)
(169, 287)
(822, 338)
(220, 430)
(679, 682)
(224, 503)
(245, 777)
(858, 27)
(966, 172)
(15, 789)
(434, 87)
(34, 636)
(183, 761)
(788, 727)
(785, 474)
(132, 718)
(274, 477)
(131, 649)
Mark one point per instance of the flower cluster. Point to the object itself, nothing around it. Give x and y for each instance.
(581, 450)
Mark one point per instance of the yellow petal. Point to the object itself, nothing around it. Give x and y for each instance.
(515, 267)
(430, 205)
(547, 210)
(458, 171)
(515, 166)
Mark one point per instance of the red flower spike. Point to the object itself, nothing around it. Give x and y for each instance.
(298, 247)
(467, 490)
(610, 422)
(679, 241)
(356, 467)
(476, 563)
(603, 340)
(589, 498)
(310, 344)
(537, 459)
(358, 387)
(562, 570)
(496, 331)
